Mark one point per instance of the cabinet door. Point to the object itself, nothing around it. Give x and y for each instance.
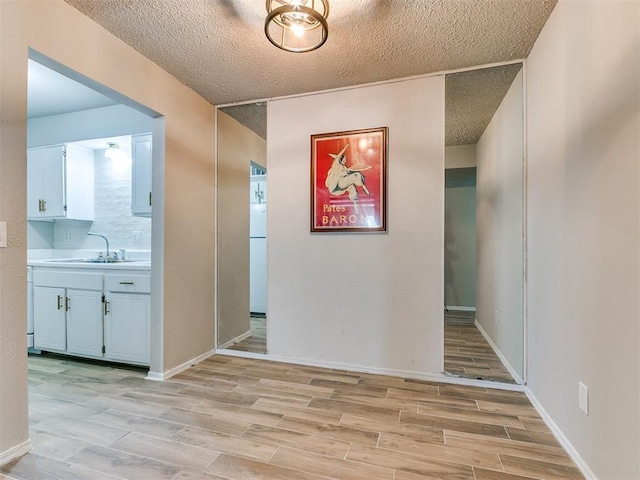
(80, 183)
(49, 325)
(45, 183)
(54, 183)
(84, 322)
(127, 326)
(35, 183)
(141, 150)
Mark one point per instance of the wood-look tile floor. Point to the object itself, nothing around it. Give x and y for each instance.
(257, 342)
(235, 418)
(466, 352)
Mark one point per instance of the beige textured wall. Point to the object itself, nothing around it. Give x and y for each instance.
(237, 147)
(500, 243)
(58, 31)
(583, 90)
(460, 156)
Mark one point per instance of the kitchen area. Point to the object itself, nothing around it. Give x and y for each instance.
(89, 204)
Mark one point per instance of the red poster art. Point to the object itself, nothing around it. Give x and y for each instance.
(348, 181)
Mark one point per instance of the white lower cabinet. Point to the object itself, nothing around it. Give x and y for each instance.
(84, 323)
(127, 319)
(68, 320)
(109, 318)
(49, 318)
(126, 327)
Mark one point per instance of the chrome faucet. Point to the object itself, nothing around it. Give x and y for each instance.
(105, 239)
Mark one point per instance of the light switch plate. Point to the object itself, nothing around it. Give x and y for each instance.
(3, 234)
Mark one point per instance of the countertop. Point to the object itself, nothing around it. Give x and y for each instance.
(75, 263)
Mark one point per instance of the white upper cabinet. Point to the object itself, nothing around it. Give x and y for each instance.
(141, 150)
(60, 183)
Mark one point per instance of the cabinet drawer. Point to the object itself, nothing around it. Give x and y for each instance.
(127, 283)
(58, 278)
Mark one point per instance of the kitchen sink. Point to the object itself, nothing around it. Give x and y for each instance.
(106, 260)
(90, 260)
(65, 260)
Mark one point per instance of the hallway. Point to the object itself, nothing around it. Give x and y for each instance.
(467, 353)
(257, 342)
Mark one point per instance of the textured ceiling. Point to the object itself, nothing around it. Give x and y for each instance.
(218, 47)
(471, 100)
(251, 115)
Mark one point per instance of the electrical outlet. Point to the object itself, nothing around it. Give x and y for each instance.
(67, 236)
(3, 234)
(137, 237)
(583, 397)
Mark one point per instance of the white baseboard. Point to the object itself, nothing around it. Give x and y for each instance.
(432, 377)
(241, 354)
(460, 309)
(566, 444)
(162, 376)
(238, 339)
(502, 358)
(155, 376)
(15, 452)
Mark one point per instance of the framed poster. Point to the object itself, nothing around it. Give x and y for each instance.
(348, 181)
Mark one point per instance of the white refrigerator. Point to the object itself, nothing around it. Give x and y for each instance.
(258, 249)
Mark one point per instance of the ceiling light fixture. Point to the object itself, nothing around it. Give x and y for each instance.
(297, 25)
(113, 150)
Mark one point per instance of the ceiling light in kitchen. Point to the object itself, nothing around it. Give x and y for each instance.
(113, 151)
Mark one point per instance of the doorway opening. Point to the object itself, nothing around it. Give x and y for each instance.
(91, 163)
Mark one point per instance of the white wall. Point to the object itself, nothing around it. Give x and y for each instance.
(182, 277)
(583, 84)
(40, 234)
(368, 300)
(500, 193)
(103, 122)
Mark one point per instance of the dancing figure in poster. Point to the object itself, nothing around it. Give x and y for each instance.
(341, 179)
